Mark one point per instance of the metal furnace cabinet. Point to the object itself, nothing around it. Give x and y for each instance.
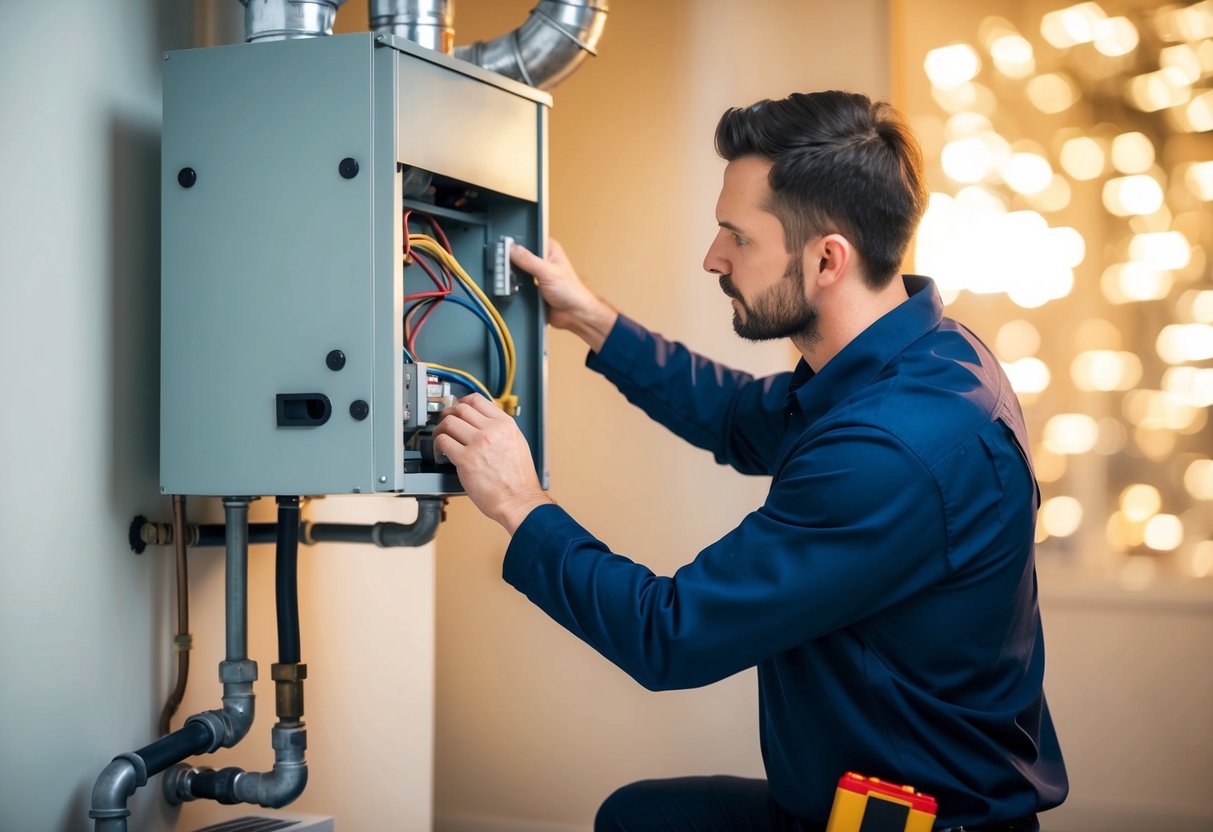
(288, 171)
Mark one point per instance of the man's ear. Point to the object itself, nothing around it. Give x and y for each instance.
(828, 258)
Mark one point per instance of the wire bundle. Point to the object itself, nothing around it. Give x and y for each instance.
(436, 259)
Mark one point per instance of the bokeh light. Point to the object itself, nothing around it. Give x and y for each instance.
(1082, 158)
(950, 66)
(1061, 516)
(1132, 152)
(1071, 433)
(1130, 195)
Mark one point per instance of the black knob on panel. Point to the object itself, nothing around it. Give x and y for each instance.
(348, 167)
(359, 409)
(186, 177)
(335, 360)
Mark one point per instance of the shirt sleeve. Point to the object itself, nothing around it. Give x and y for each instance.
(853, 525)
(738, 418)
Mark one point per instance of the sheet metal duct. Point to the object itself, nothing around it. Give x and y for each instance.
(288, 19)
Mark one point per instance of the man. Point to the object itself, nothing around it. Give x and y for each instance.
(886, 588)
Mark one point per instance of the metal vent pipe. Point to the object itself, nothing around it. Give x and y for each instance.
(427, 22)
(288, 19)
(555, 38)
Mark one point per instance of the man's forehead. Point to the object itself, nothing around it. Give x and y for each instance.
(745, 188)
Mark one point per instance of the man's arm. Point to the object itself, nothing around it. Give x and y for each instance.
(851, 532)
(736, 417)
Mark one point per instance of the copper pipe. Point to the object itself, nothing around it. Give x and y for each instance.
(183, 641)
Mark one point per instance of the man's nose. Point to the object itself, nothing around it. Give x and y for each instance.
(713, 262)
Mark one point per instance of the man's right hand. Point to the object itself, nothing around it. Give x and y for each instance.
(571, 305)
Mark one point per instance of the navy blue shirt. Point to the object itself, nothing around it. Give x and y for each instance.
(886, 588)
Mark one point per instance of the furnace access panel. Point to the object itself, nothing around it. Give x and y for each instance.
(336, 219)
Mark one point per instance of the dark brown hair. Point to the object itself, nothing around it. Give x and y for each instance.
(842, 164)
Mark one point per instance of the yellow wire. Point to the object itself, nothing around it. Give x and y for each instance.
(507, 401)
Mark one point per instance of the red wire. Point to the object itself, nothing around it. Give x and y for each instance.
(439, 233)
(429, 269)
(410, 333)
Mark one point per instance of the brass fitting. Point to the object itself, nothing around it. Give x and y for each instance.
(288, 690)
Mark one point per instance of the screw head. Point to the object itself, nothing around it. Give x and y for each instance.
(186, 177)
(359, 409)
(348, 167)
(335, 360)
(383, 477)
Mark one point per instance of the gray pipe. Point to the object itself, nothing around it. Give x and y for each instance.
(144, 532)
(237, 672)
(235, 516)
(223, 728)
(288, 19)
(272, 789)
(548, 47)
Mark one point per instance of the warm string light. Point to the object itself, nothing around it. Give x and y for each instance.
(996, 231)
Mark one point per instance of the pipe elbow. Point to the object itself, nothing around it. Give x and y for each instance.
(230, 724)
(418, 533)
(286, 781)
(114, 786)
(548, 47)
(275, 788)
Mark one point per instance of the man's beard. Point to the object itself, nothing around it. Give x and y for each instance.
(781, 311)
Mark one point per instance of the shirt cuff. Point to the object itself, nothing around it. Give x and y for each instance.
(540, 530)
(619, 351)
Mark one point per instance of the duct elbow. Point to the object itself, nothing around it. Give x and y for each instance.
(548, 47)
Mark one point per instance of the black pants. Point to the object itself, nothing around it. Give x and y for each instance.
(697, 804)
(718, 804)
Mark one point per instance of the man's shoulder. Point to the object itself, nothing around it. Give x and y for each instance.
(941, 390)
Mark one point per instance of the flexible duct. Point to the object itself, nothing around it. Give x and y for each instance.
(288, 19)
(542, 52)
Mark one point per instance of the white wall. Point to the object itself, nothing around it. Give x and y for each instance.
(85, 625)
(533, 727)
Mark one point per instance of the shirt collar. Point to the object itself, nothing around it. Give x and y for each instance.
(868, 353)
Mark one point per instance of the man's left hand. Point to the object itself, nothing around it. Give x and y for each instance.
(493, 459)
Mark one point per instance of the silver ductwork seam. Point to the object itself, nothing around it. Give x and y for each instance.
(288, 19)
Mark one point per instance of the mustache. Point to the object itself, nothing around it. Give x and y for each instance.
(726, 286)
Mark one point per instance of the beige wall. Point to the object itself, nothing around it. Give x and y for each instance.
(533, 726)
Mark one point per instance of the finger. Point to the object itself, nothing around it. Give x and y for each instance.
(524, 258)
(449, 447)
(483, 408)
(466, 410)
(457, 429)
(556, 251)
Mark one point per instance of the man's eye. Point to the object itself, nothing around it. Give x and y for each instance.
(739, 240)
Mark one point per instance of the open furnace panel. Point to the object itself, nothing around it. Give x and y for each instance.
(336, 217)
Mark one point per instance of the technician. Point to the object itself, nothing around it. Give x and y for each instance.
(886, 588)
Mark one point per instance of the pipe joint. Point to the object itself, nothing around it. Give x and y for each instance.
(418, 533)
(243, 671)
(282, 785)
(288, 690)
(116, 783)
